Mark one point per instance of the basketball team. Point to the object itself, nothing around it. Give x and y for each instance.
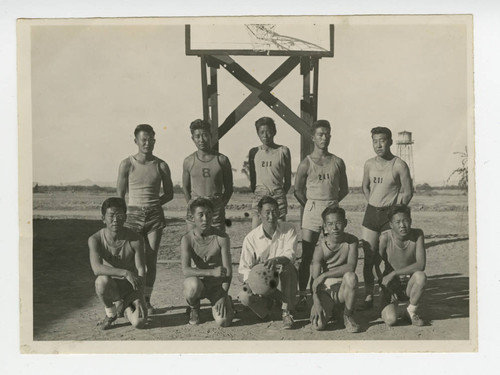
(123, 255)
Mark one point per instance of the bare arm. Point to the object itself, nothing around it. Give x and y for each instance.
(316, 271)
(226, 261)
(343, 185)
(251, 168)
(186, 178)
(366, 181)
(403, 172)
(122, 182)
(187, 270)
(300, 182)
(168, 187)
(227, 179)
(288, 170)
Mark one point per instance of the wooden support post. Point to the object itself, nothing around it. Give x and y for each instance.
(306, 105)
(213, 105)
(204, 89)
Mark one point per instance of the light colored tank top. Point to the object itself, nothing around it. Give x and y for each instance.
(270, 168)
(116, 256)
(410, 249)
(144, 183)
(206, 177)
(322, 181)
(207, 254)
(384, 188)
(339, 255)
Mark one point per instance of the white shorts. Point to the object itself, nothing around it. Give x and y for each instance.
(311, 219)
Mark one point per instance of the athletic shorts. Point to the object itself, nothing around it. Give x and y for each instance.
(396, 290)
(219, 214)
(311, 219)
(212, 291)
(332, 287)
(277, 194)
(145, 220)
(376, 218)
(124, 287)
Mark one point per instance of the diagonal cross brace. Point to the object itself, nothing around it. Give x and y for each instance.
(261, 92)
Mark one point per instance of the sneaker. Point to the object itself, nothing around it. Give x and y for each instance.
(302, 304)
(194, 316)
(415, 320)
(350, 325)
(287, 320)
(107, 322)
(151, 309)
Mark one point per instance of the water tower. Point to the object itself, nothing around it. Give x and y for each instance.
(405, 151)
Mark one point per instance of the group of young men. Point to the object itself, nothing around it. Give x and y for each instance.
(123, 255)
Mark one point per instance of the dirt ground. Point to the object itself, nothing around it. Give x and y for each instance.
(66, 307)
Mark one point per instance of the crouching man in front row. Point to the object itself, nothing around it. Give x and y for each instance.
(403, 252)
(272, 244)
(333, 266)
(206, 265)
(117, 259)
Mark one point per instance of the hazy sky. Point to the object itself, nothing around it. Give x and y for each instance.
(91, 85)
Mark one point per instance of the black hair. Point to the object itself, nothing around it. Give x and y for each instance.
(333, 209)
(397, 209)
(266, 121)
(266, 199)
(114, 202)
(201, 202)
(382, 130)
(320, 124)
(143, 128)
(199, 124)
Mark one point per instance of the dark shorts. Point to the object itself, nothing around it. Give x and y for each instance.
(124, 287)
(213, 292)
(219, 214)
(145, 220)
(396, 290)
(376, 218)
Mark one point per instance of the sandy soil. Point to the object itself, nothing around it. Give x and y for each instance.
(66, 308)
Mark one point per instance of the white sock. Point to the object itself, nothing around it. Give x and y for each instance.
(412, 309)
(110, 311)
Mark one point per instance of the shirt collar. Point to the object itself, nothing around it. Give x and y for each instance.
(261, 233)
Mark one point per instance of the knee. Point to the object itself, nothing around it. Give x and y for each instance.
(136, 314)
(420, 278)
(350, 279)
(192, 288)
(102, 283)
(319, 326)
(389, 315)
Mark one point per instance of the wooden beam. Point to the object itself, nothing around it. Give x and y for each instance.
(214, 111)
(204, 89)
(253, 99)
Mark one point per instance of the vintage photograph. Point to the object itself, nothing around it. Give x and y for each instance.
(306, 183)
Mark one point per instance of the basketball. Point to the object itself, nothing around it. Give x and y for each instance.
(389, 315)
(262, 281)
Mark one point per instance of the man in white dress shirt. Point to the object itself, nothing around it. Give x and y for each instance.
(273, 244)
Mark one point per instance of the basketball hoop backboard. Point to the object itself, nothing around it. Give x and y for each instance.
(260, 39)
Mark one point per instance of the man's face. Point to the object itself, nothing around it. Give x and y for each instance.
(114, 218)
(381, 144)
(146, 142)
(335, 224)
(321, 138)
(401, 224)
(202, 139)
(202, 218)
(269, 214)
(266, 134)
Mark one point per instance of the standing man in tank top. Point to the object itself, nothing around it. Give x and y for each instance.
(321, 181)
(386, 182)
(143, 176)
(206, 174)
(270, 169)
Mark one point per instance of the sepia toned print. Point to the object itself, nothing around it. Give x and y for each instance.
(369, 113)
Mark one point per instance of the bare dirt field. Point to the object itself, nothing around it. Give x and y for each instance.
(66, 307)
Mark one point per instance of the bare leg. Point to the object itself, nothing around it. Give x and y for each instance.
(416, 286)
(193, 289)
(152, 245)
(107, 290)
(347, 291)
(327, 304)
(309, 240)
(370, 247)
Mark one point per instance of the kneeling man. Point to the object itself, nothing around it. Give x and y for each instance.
(206, 265)
(273, 244)
(117, 259)
(403, 252)
(333, 266)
